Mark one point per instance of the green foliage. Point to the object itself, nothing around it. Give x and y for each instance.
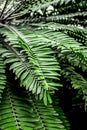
(32, 69)
(41, 42)
(23, 111)
(2, 77)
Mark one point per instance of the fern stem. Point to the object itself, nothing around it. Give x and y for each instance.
(35, 108)
(11, 101)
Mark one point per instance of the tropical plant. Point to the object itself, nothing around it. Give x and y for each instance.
(43, 47)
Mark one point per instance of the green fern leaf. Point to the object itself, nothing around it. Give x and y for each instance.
(23, 111)
(34, 63)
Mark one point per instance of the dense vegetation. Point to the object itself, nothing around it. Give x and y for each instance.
(43, 53)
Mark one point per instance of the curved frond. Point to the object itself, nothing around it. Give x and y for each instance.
(77, 32)
(38, 69)
(77, 80)
(65, 42)
(43, 46)
(23, 111)
(64, 12)
(9, 7)
(69, 48)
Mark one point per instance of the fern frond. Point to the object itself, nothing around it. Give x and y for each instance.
(77, 32)
(38, 69)
(59, 11)
(81, 85)
(14, 7)
(9, 7)
(14, 112)
(65, 42)
(43, 44)
(48, 11)
(63, 19)
(32, 8)
(70, 50)
(77, 81)
(3, 6)
(45, 118)
(23, 111)
(73, 6)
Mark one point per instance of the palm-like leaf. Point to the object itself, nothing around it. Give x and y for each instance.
(38, 72)
(23, 111)
(41, 42)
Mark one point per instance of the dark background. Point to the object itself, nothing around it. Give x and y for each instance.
(74, 108)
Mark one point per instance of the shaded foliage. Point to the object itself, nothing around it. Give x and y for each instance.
(43, 53)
